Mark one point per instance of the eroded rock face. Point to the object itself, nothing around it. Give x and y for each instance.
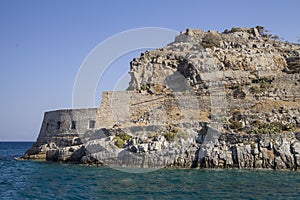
(195, 54)
(207, 100)
(251, 151)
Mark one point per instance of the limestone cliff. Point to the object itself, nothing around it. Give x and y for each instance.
(207, 100)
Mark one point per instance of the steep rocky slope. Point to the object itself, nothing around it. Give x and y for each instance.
(208, 100)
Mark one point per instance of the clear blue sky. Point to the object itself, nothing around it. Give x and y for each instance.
(43, 43)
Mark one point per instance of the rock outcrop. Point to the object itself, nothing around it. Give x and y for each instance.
(207, 100)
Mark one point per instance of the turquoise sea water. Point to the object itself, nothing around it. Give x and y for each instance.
(42, 180)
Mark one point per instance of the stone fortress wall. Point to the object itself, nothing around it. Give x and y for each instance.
(70, 120)
(67, 122)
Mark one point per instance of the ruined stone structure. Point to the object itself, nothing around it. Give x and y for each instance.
(207, 100)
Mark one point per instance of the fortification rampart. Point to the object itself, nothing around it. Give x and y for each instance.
(68, 121)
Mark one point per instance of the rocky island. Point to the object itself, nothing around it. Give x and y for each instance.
(206, 100)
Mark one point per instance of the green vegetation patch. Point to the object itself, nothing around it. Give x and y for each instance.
(124, 136)
(271, 128)
(175, 133)
(121, 139)
(262, 80)
(264, 85)
(144, 87)
(235, 120)
(238, 93)
(255, 90)
(235, 125)
(170, 136)
(119, 142)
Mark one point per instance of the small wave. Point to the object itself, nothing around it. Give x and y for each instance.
(9, 157)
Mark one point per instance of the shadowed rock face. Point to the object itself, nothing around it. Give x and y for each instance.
(293, 65)
(207, 100)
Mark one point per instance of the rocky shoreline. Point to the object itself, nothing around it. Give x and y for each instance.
(230, 150)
